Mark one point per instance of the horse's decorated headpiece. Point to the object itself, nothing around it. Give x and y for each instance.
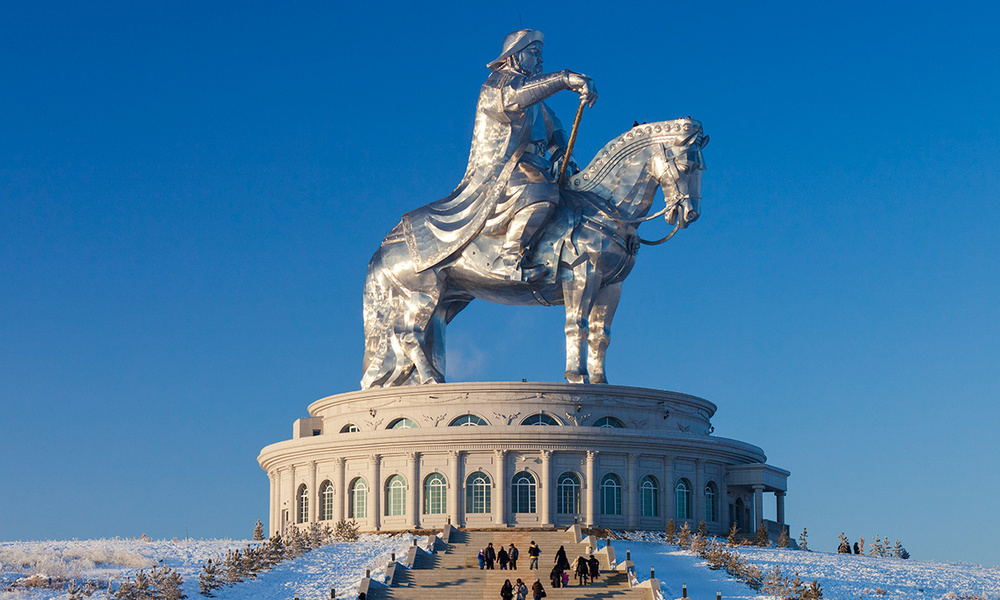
(514, 43)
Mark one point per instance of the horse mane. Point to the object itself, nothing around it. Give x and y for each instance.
(623, 147)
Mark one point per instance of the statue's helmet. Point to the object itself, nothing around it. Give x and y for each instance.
(514, 43)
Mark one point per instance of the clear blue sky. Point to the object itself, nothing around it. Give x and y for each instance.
(190, 193)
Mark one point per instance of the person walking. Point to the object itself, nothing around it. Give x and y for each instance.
(555, 577)
(582, 570)
(595, 567)
(502, 559)
(533, 552)
(537, 591)
(512, 553)
(482, 558)
(561, 561)
(507, 590)
(521, 589)
(491, 556)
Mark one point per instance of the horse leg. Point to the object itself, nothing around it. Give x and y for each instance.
(580, 286)
(445, 312)
(601, 316)
(412, 330)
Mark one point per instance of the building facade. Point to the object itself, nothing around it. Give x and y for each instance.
(484, 455)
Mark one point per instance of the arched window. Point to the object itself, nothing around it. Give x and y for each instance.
(609, 422)
(539, 419)
(358, 509)
(650, 493)
(349, 428)
(326, 501)
(402, 423)
(395, 496)
(435, 495)
(302, 510)
(711, 502)
(611, 495)
(568, 494)
(682, 495)
(523, 493)
(478, 493)
(467, 420)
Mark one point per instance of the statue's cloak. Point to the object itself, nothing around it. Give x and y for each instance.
(437, 230)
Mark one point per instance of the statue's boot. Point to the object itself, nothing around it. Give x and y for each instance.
(520, 232)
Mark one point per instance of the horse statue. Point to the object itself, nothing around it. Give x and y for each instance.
(589, 245)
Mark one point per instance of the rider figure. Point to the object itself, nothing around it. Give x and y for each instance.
(532, 190)
(510, 183)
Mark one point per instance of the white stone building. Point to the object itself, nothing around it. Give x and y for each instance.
(484, 455)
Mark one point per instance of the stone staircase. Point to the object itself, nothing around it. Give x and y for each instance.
(452, 571)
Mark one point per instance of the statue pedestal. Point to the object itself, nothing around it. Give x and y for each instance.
(523, 455)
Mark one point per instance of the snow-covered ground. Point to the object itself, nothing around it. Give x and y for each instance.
(341, 565)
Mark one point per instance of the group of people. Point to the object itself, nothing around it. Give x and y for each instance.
(583, 569)
(505, 558)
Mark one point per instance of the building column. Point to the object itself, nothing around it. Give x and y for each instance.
(455, 487)
(632, 504)
(698, 494)
(758, 506)
(545, 486)
(293, 501)
(723, 502)
(500, 484)
(413, 514)
(779, 498)
(313, 493)
(590, 486)
(669, 496)
(272, 524)
(339, 489)
(374, 491)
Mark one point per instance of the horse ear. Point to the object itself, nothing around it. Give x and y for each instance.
(635, 123)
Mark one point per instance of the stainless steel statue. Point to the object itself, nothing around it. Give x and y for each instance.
(510, 234)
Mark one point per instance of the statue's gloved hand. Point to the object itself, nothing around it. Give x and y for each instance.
(584, 86)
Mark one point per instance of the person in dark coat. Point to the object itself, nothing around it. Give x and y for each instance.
(537, 591)
(856, 549)
(555, 577)
(533, 552)
(491, 556)
(502, 559)
(512, 553)
(595, 567)
(561, 561)
(582, 570)
(507, 590)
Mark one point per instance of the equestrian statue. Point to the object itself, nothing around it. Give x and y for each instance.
(517, 230)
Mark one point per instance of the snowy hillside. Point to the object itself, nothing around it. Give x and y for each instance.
(341, 565)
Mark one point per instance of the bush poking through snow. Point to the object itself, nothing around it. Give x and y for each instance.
(783, 540)
(803, 543)
(258, 531)
(346, 531)
(671, 532)
(762, 538)
(159, 583)
(684, 537)
(733, 539)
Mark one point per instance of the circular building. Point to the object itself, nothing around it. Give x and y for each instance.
(494, 455)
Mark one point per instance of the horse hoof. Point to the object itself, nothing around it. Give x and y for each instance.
(575, 377)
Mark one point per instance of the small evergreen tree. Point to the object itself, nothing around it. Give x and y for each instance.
(845, 546)
(209, 579)
(861, 546)
(783, 540)
(73, 591)
(900, 552)
(732, 539)
(684, 536)
(346, 531)
(258, 531)
(671, 532)
(702, 529)
(876, 549)
(813, 592)
(803, 544)
(762, 539)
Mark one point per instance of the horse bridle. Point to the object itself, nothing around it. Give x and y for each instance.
(676, 199)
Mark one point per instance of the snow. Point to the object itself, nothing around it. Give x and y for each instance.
(341, 565)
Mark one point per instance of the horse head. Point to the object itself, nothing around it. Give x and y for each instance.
(677, 169)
